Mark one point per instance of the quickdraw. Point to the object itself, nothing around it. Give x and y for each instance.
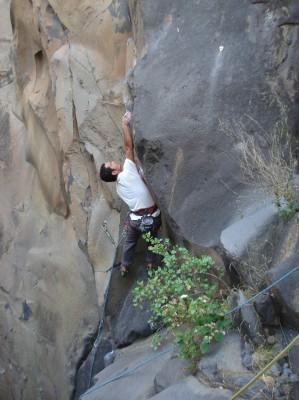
(123, 235)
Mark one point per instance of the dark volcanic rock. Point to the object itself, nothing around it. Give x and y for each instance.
(91, 366)
(132, 322)
(189, 388)
(265, 308)
(204, 64)
(294, 364)
(289, 242)
(172, 371)
(248, 320)
(286, 290)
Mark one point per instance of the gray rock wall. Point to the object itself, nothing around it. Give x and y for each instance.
(236, 61)
(188, 65)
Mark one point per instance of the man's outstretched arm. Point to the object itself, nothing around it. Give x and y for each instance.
(128, 140)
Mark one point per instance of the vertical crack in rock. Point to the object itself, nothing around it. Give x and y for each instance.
(6, 77)
(91, 186)
(5, 142)
(26, 311)
(120, 11)
(103, 96)
(179, 159)
(47, 167)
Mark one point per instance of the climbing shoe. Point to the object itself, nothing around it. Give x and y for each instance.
(123, 271)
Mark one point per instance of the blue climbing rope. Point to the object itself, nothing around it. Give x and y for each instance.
(129, 371)
(97, 341)
(262, 291)
(173, 347)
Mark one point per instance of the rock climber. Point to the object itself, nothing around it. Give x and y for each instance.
(134, 192)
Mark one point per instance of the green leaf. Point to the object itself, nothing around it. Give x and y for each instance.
(218, 337)
(204, 347)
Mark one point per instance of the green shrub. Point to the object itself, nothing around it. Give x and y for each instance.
(185, 296)
(287, 206)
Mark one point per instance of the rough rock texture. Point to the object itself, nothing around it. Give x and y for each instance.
(132, 323)
(224, 363)
(289, 243)
(287, 291)
(61, 110)
(191, 389)
(247, 319)
(265, 308)
(224, 360)
(251, 240)
(94, 363)
(286, 263)
(136, 385)
(139, 366)
(236, 61)
(294, 364)
(173, 371)
(62, 96)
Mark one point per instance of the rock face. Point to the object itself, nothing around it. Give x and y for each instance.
(63, 65)
(139, 377)
(204, 64)
(60, 117)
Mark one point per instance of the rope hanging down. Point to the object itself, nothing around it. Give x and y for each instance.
(97, 341)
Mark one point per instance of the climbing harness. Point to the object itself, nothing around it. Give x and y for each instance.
(290, 345)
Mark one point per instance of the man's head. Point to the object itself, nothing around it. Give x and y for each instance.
(109, 171)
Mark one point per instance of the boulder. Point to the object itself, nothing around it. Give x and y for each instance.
(94, 363)
(286, 291)
(233, 70)
(249, 241)
(223, 360)
(265, 308)
(137, 364)
(294, 363)
(132, 322)
(257, 390)
(189, 388)
(289, 242)
(248, 320)
(224, 364)
(172, 372)
(136, 369)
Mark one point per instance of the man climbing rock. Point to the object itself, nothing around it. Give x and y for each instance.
(134, 192)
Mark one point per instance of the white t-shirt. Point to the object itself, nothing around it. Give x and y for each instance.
(131, 188)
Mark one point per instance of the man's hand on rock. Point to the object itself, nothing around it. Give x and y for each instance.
(126, 119)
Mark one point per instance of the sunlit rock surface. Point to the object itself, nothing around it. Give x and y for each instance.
(61, 107)
(67, 70)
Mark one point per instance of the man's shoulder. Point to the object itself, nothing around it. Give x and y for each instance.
(128, 161)
(129, 165)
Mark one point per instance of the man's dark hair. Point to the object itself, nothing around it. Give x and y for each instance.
(106, 174)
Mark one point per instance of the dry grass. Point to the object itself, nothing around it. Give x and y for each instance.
(266, 159)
